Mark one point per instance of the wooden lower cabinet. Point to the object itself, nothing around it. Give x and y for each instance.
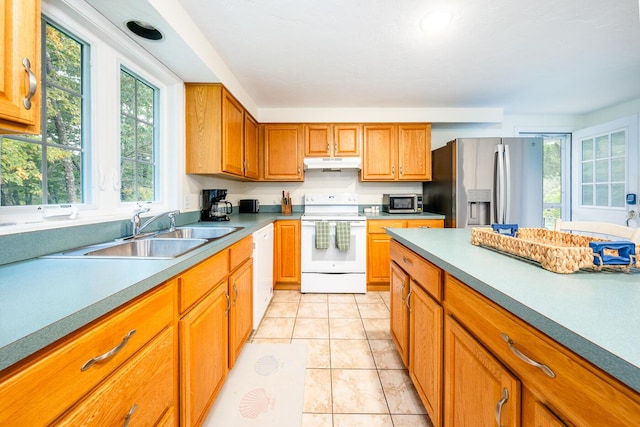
(378, 247)
(286, 255)
(40, 391)
(399, 318)
(478, 389)
(476, 369)
(140, 392)
(204, 355)
(241, 312)
(426, 349)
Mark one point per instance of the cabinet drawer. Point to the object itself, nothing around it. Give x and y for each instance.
(581, 392)
(239, 252)
(426, 274)
(425, 223)
(200, 279)
(140, 391)
(379, 225)
(40, 392)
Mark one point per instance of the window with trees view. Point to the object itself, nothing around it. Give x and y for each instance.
(48, 168)
(137, 138)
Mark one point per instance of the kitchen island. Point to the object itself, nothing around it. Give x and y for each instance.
(592, 314)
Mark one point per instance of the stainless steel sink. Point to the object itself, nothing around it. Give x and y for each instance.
(209, 233)
(143, 248)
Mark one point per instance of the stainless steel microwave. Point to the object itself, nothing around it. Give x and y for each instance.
(402, 203)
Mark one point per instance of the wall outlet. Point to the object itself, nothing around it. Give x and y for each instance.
(187, 202)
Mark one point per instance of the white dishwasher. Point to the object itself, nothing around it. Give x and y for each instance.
(262, 272)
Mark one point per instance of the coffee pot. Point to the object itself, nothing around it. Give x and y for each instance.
(214, 207)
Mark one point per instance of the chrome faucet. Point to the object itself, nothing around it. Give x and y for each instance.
(137, 228)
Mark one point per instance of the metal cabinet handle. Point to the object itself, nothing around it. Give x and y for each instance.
(401, 170)
(328, 147)
(33, 83)
(226, 311)
(89, 363)
(406, 260)
(335, 147)
(127, 419)
(547, 370)
(409, 300)
(393, 169)
(235, 289)
(501, 402)
(298, 170)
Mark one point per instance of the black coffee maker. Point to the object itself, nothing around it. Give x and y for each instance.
(214, 207)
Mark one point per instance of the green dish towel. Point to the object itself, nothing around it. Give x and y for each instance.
(322, 235)
(343, 235)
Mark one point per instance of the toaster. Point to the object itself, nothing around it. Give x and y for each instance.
(249, 206)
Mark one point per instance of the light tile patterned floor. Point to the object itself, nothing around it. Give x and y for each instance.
(355, 376)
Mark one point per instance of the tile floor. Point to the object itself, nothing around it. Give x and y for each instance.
(355, 376)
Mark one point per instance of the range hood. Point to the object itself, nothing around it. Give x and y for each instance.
(332, 163)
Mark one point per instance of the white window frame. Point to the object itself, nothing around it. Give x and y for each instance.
(112, 49)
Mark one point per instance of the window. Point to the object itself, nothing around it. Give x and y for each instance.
(603, 170)
(137, 138)
(48, 168)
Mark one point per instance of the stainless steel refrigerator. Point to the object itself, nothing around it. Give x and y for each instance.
(482, 181)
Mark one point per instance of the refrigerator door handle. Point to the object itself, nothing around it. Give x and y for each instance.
(501, 184)
(507, 186)
(496, 185)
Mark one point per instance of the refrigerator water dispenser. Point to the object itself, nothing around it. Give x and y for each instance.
(479, 207)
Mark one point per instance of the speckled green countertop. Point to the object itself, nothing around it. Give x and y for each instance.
(42, 300)
(595, 314)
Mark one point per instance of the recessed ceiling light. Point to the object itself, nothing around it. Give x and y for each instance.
(436, 21)
(144, 30)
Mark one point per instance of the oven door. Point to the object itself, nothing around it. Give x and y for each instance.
(332, 260)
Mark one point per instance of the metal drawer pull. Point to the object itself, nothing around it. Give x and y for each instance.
(408, 300)
(89, 363)
(235, 289)
(33, 83)
(547, 370)
(406, 260)
(127, 419)
(505, 397)
(226, 311)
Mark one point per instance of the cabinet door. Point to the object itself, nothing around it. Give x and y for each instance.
(141, 391)
(283, 153)
(241, 313)
(347, 139)
(204, 355)
(478, 389)
(378, 258)
(414, 152)
(232, 135)
(535, 413)
(286, 255)
(317, 140)
(379, 152)
(20, 31)
(425, 350)
(399, 287)
(251, 147)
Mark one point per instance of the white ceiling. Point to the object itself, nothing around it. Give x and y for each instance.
(527, 57)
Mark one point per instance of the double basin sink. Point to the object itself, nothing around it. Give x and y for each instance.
(161, 245)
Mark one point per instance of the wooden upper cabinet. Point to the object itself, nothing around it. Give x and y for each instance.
(283, 152)
(217, 141)
(414, 152)
(399, 152)
(20, 79)
(332, 140)
(379, 152)
(251, 147)
(232, 135)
